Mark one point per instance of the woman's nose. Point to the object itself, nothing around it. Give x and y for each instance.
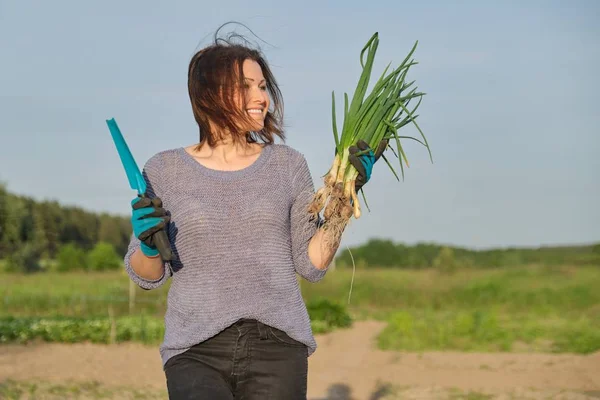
(258, 95)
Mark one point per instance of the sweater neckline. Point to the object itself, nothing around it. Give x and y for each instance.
(224, 174)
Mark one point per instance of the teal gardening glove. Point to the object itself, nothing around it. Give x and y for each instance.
(147, 218)
(364, 163)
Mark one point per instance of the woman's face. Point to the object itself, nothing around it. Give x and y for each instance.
(258, 101)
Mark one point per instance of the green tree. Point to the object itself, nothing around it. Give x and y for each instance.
(70, 257)
(26, 259)
(4, 214)
(103, 257)
(445, 261)
(112, 230)
(39, 236)
(51, 214)
(12, 215)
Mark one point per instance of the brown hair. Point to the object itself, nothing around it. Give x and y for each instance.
(215, 74)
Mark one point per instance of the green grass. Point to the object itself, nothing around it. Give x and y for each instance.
(550, 309)
(488, 330)
(542, 290)
(76, 294)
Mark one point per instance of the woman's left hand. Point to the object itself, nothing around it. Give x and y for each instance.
(364, 163)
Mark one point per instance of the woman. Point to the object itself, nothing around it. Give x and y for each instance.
(234, 207)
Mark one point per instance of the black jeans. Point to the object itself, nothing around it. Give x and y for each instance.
(246, 361)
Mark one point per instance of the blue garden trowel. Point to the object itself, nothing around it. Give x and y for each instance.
(137, 182)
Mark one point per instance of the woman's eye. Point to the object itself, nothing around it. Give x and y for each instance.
(263, 88)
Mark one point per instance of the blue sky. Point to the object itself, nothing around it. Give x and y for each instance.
(510, 110)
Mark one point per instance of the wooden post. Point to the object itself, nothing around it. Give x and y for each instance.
(131, 296)
(113, 325)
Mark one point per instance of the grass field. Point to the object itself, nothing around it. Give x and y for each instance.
(550, 309)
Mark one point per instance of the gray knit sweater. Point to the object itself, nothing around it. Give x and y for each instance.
(240, 237)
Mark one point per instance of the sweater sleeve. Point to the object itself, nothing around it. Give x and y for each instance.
(151, 174)
(303, 226)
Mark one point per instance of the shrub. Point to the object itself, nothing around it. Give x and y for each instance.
(70, 257)
(103, 257)
(445, 261)
(25, 259)
(326, 315)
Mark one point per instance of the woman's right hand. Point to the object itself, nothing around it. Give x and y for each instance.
(148, 217)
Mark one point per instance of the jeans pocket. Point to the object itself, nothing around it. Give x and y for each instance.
(283, 338)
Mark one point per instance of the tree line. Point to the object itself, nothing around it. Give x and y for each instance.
(387, 254)
(35, 234)
(34, 231)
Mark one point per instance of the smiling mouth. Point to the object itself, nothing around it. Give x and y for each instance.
(255, 111)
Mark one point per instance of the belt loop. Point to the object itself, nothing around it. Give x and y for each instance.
(262, 330)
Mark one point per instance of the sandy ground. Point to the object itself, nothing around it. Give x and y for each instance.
(346, 366)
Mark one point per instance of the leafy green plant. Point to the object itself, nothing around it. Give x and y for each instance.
(328, 313)
(73, 330)
(70, 257)
(25, 259)
(103, 257)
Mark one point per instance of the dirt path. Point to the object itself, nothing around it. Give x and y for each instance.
(346, 366)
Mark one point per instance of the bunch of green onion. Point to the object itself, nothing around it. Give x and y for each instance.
(373, 119)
